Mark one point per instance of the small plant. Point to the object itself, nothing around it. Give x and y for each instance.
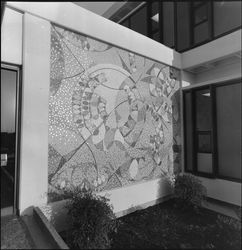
(92, 220)
(189, 191)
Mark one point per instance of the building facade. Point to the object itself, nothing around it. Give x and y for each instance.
(122, 111)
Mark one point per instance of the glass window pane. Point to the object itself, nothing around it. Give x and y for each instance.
(8, 101)
(8, 135)
(204, 163)
(227, 16)
(197, 3)
(201, 32)
(125, 23)
(201, 14)
(138, 21)
(188, 130)
(203, 110)
(168, 24)
(228, 102)
(183, 25)
(156, 36)
(204, 142)
(203, 131)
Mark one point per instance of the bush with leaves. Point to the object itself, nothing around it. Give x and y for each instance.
(92, 220)
(189, 191)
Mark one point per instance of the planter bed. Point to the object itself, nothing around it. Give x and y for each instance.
(166, 226)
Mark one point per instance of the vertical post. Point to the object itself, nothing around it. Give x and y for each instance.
(34, 127)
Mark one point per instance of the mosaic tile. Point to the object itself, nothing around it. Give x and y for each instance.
(113, 115)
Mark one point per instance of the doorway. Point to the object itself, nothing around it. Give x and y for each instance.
(10, 138)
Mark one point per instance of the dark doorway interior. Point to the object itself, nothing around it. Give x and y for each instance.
(9, 121)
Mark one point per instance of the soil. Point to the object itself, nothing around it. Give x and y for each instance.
(167, 226)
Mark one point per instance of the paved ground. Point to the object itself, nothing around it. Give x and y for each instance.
(14, 234)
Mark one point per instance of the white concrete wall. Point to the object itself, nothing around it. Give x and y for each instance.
(36, 66)
(124, 200)
(11, 37)
(223, 190)
(211, 51)
(70, 16)
(187, 78)
(36, 81)
(35, 98)
(219, 74)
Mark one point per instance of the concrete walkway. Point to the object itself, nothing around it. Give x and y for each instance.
(14, 234)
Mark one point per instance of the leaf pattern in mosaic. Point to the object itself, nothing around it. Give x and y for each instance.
(113, 115)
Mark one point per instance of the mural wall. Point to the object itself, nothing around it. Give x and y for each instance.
(113, 115)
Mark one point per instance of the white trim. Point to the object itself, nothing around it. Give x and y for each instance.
(212, 51)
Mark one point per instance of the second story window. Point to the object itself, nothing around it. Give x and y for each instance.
(138, 21)
(183, 25)
(201, 22)
(155, 21)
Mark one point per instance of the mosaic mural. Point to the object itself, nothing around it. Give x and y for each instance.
(113, 115)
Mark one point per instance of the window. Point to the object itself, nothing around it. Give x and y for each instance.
(227, 16)
(203, 131)
(189, 139)
(125, 23)
(183, 25)
(155, 21)
(168, 23)
(228, 103)
(212, 130)
(138, 21)
(201, 22)
(201, 14)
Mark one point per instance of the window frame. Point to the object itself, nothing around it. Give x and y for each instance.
(215, 168)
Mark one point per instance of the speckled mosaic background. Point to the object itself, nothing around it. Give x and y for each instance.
(113, 115)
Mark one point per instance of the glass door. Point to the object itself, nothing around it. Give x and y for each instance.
(9, 137)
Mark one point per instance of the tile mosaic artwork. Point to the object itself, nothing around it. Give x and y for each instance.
(113, 115)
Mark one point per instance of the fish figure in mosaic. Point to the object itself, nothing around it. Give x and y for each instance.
(113, 115)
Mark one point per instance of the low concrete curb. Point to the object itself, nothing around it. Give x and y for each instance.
(49, 229)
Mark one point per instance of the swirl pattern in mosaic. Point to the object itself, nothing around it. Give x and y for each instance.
(113, 115)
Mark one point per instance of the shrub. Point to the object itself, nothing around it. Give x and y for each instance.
(92, 220)
(189, 191)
